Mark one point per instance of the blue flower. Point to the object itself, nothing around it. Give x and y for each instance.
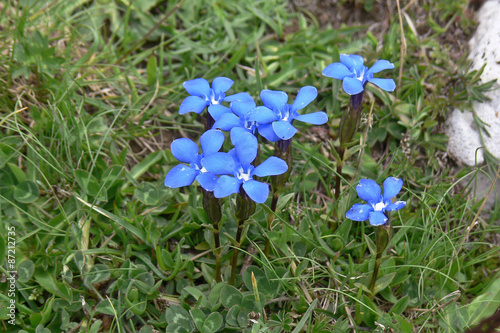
(237, 171)
(279, 126)
(202, 96)
(240, 116)
(369, 191)
(355, 74)
(186, 151)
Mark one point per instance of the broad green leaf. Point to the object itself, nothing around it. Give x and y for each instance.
(198, 318)
(213, 321)
(400, 306)
(97, 274)
(147, 193)
(25, 270)
(177, 315)
(305, 317)
(485, 304)
(383, 282)
(26, 192)
(230, 296)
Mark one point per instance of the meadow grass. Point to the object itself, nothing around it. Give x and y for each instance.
(89, 98)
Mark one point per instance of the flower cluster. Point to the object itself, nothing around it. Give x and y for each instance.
(228, 173)
(377, 203)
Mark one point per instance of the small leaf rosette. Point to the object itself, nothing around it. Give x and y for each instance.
(377, 203)
(355, 75)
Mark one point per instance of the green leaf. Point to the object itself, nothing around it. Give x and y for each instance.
(95, 326)
(485, 304)
(147, 193)
(401, 305)
(230, 296)
(48, 282)
(198, 318)
(177, 315)
(198, 295)
(305, 317)
(176, 328)
(151, 70)
(97, 274)
(107, 306)
(383, 282)
(26, 192)
(213, 322)
(25, 270)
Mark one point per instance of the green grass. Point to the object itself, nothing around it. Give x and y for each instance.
(89, 97)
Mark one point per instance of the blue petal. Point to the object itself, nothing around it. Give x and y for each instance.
(262, 115)
(217, 110)
(221, 85)
(395, 206)
(245, 144)
(180, 175)
(369, 191)
(337, 71)
(359, 212)
(352, 86)
(352, 61)
(380, 65)
(385, 84)
(227, 122)
(392, 186)
(267, 131)
(377, 218)
(197, 87)
(207, 180)
(226, 186)
(211, 141)
(241, 97)
(257, 191)
(270, 167)
(219, 164)
(241, 109)
(185, 150)
(283, 129)
(274, 99)
(192, 104)
(305, 96)
(315, 118)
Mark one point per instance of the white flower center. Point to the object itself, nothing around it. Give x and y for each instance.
(245, 176)
(379, 207)
(214, 101)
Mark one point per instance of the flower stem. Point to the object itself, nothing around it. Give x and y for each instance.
(383, 234)
(212, 208)
(234, 261)
(270, 219)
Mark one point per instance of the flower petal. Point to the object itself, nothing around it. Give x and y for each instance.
(227, 122)
(385, 84)
(369, 191)
(352, 86)
(395, 206)
(359, 212)
(219, 164)
(197, 87)
(392, 186)
(352, 60)
(315, 118)
(377, 218)
(267, 131)
(185, 150)
(305, 96)
(180, 175)
(211, 141)
(245, 144)
(225, 186)
(241, 97)
(262, 115)
(207, 180)
(241, 108)
(336, 71)
(192, 104)
(217, 110)
(257, 191)
(274, 99)
(221, 85)
(283, 129)
(380, 65)
(271, 167)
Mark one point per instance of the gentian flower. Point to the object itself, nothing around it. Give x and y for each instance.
(238, 172)
(280, 127)
(355, 75)
(202, 96)
(239, 117)
(369, 191)
(186, 151)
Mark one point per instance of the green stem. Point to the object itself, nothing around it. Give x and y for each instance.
(234, 262)
(218, 256)
(270, 219)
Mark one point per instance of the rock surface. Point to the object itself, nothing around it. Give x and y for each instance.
(466, 141)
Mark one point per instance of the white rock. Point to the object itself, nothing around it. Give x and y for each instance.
(464, 137)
